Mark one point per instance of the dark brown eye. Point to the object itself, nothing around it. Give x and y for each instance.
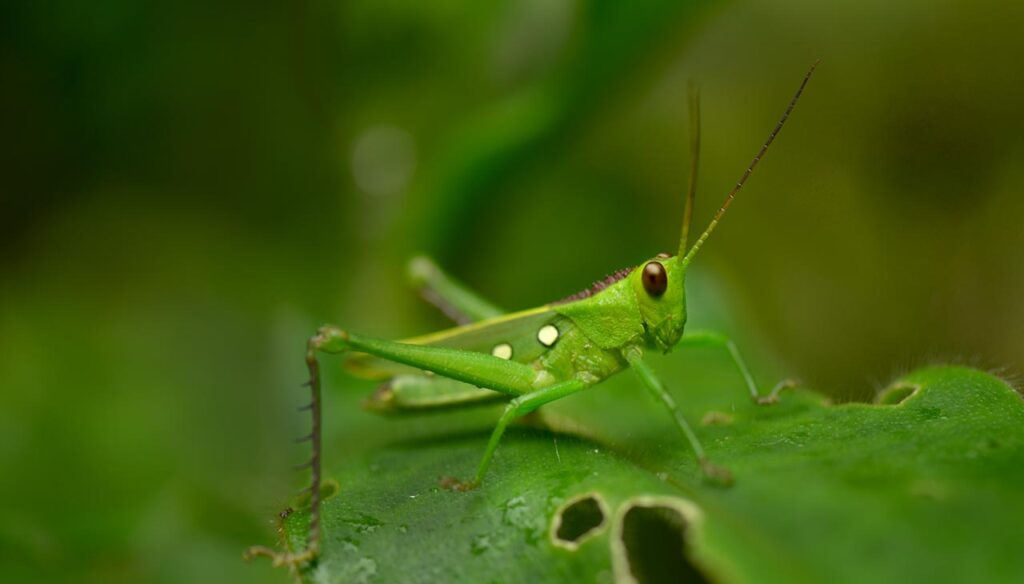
(655, 279)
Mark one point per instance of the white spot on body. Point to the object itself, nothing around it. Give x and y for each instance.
(502, 351)
(547, 335)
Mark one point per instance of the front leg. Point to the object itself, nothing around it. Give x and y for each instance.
(647, 377)
(705, 338)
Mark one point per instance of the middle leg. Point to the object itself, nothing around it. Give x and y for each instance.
(706, 338)
(518, 407)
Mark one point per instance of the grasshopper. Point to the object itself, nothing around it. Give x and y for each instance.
(536, 356)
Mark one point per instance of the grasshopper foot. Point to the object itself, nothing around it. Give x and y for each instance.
(714, 474)
(459, 486)
(773, 397)
(279, 559)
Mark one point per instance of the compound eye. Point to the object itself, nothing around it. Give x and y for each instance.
(655, 278)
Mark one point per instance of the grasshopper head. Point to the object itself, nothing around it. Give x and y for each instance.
(658, 285)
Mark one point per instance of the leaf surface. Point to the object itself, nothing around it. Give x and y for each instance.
(926, 488)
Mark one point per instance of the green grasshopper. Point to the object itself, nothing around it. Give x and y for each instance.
(536, 356)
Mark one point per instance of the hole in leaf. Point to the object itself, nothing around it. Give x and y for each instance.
(896, 394)
(328, 489)
(579, 519)
(655, 543)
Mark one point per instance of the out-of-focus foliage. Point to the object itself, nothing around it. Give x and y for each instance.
(188, 189)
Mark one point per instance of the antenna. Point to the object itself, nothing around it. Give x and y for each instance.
(746, 174)
(691, 193)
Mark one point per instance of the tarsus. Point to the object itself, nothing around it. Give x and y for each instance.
(314, 488)
(313, 543)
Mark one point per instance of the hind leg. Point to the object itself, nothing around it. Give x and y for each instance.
(456, 301)
(478, 369)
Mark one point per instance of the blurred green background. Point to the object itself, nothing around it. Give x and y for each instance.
(188, 189)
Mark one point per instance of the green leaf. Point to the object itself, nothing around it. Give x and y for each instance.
(926, 488)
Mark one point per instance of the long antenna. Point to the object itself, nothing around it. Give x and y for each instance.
(691, 192)
(743, 179)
